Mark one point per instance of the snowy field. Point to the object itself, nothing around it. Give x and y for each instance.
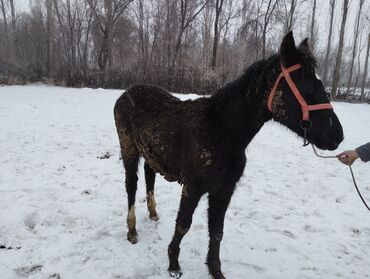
(63, 209)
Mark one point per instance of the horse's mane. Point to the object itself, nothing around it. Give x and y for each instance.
(250, 83)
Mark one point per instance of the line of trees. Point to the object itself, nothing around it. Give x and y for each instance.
(183, 45)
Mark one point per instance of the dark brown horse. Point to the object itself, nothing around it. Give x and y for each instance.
(201, 143)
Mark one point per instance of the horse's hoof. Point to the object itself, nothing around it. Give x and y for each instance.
(175, 273)
(218, 275)
(132, 236)
(154, 218)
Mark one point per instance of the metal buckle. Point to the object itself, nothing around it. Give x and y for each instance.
(305, 126)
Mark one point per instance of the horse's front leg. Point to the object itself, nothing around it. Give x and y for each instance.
(189, 201)
(218, 204)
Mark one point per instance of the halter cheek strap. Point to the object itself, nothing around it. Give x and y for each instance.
(304, 107)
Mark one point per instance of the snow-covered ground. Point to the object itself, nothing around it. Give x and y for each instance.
(63, 209)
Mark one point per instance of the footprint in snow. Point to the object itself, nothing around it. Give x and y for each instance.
(355, 232)
(285, 233)
(270, 250)
(4, 247)
(28, 270)
(32, 220)
(253, 266)
(105, 155)
(60, 170)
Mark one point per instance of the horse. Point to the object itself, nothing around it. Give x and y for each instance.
(201, 143)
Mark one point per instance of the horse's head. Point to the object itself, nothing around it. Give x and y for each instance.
(298, 99)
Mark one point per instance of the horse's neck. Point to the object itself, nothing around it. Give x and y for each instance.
(241, 105)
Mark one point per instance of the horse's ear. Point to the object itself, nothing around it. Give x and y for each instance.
(287, 49)
(304, 44)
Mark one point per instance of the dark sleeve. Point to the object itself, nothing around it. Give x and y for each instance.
(364, 152)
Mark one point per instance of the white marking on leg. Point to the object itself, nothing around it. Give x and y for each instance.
(131, 218)
(152, 206)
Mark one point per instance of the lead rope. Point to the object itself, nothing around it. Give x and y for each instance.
(350, 168)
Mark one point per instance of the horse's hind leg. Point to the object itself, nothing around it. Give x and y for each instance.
(130, 157)
(131, 187)
(150, 180)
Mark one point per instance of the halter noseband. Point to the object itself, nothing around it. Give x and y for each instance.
(304, 107)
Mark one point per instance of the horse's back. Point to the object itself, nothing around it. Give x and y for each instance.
(144, 99)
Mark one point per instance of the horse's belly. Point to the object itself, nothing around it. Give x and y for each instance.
(159, 155)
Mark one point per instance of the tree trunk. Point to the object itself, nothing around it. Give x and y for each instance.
(104, 51)
(219, 4)
(72, 46)
(170, 27)
(312, 35)
(5, 29)
(338, 61)
(49, 23)
(354, 49)
(86, 46)
(290, 19)
(141, 39)
(14, 37)
(207, 26)
(328, 46)
(264, 42)
(266, 20)
(364, 75)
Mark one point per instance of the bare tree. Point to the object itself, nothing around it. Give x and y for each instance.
(354, 48)
(338, 61)
(107, 14)
(66, 15)
(206, 34)
(143, 36)
(225, 12)
(49, 31)
(6, 31)
(328, 45)
(312, 29)
(189, 10)
(84, 45)
(216, 33)
(271, 5)
(364, 75)
(289, 22)
(14, 45)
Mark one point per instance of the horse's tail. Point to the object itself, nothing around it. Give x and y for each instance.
(123, 112)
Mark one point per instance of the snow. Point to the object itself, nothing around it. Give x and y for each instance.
(63, 209)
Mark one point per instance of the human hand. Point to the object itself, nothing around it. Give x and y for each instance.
(348, 157)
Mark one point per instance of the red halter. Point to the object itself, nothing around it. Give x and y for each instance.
(305, 108)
